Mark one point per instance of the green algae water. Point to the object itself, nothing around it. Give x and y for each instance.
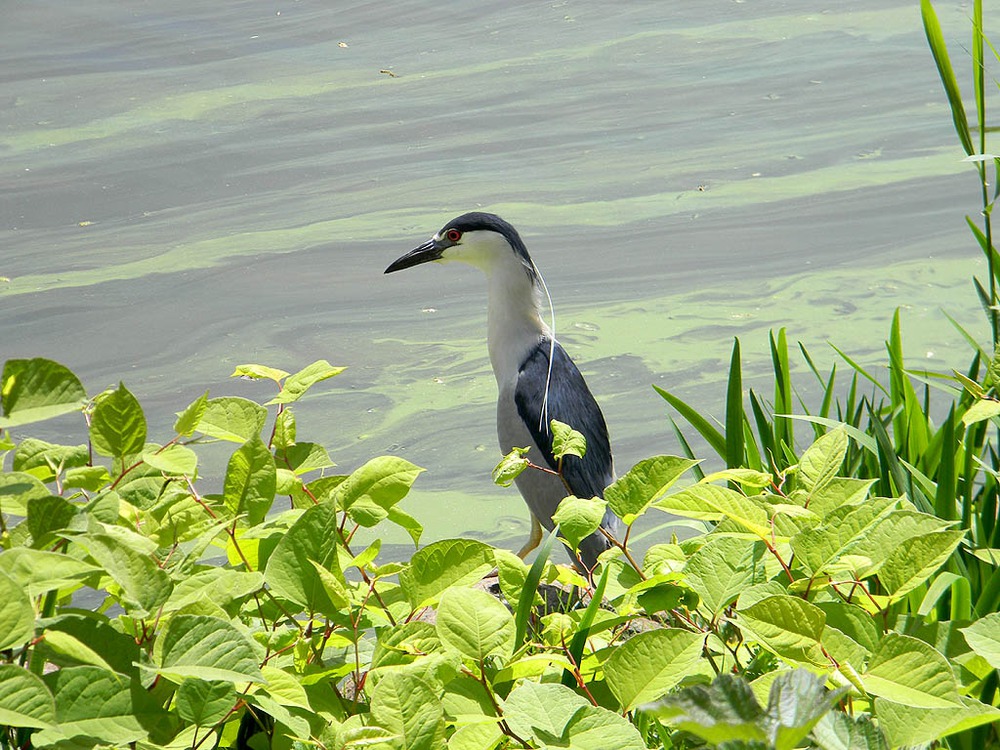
(190, 188)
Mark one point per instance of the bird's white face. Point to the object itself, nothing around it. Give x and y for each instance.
(483, 249)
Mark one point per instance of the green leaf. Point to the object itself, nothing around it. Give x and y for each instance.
(17, 616)
(296, 385)
(94, 703)
(232, 418)
(579, 518)
(312, 538)
(722, 568)
(44, 459)
(983, 636)
(208, 648)
(631, 495)
(838, 731)
(939, 50)
(443, 564)
(908, 671)
(788, 627)
(980, 411)
(17, 489)
(251, 481)
(410, 709)
(408, 523)
(25, 701)
(259, 372)
(302, 458)
(145, 586)
(554, 715)
(173, 459)
(710, 502)
(118, 425)
(89, 478)
(797, 701)
(104, 644)
(71, 647)
(187, 420)
(910, 726)
(475, 624)
(379, 484)
(822, 460)
(845, 530)
(566, 441)
(204, 702)
(725, 711)
(221, 586)
(648, 665)
(47, 516)
(35, 389)
(510, 467)
(911, 564)
(39, 571)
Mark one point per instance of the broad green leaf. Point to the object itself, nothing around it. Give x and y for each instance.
(94, 703)
(311, 539)
(232, 418)
(116, 649)
(847, 529)
(403, 643)
(911, 564)
(296, 385)
(554, 715)
(251, 480)
(284, 430)
(17, 615)
(89, 478)
(39, 571)
(908, 671)
(476, 737)
(796, 702)
(333, 584)
(721, 569)
(285, 688)
(629, 496)
(44, 459)
(475, 624)
(204, 702)
(118, 425)
(71, 647)
(173, 459)
(16, 489)
(787, 626)
(838, 492)
(648, 665)
(440, 565)
(854, 622)
(382, 482)
(981, 410)
(910, 726)
(710, 502)
(25, 701)
(408, 523)
(578, 518)
(566, 441)
(222, 586)
(409, 708)
(145, 585)
(510, 467)
(983, 636)
(187, 420)
(49, 515)
(748, 479)
(821, 461)
(259, 372)
(725, 711)
(208, 648)
(35, 389)
(838, 731)
(302, 458)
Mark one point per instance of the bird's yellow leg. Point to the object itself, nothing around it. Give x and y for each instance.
(534, 538)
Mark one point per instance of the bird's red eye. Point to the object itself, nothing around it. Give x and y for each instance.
(453, 235)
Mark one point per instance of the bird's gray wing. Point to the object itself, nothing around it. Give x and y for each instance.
(570, 401)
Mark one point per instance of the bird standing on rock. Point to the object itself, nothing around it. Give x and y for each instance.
(536, 379)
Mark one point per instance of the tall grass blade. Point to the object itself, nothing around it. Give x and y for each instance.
(734, 411)
(944, 500)
(526, 601)
(712, 436)
(579, 641)
(932, 28)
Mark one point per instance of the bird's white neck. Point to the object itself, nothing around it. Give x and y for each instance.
(514, 319)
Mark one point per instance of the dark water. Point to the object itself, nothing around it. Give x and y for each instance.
(190, 186)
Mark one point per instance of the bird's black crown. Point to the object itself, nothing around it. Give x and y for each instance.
(481, 221)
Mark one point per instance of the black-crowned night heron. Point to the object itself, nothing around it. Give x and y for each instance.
(537, 380)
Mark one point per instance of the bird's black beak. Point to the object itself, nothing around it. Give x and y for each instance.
(430, 250)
